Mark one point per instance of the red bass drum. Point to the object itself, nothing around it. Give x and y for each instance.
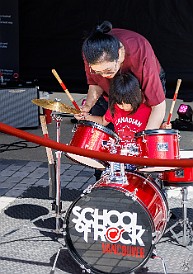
(113, 227)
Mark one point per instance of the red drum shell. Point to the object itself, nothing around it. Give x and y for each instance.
(92, 136)
(179, 177)
(158, 144)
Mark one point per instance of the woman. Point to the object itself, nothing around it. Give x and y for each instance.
(108, 51)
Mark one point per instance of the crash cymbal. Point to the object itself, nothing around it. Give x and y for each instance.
(55, 106)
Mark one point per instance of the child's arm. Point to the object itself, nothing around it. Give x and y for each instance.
(93, 118)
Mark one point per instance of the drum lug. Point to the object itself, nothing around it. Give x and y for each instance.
(178, 137)
(144, 140)
(74, 128)
(84, 269)
(87, 190)
(132, 194)
(155, 236)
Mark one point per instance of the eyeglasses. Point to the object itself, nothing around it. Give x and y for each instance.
(108, 71)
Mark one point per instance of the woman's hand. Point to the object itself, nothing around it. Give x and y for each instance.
(85, 108)
(83, 115)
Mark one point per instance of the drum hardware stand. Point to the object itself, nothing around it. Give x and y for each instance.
(56, 204)
(185, 223)
(119, 167)
(120, 177)
(56, 259)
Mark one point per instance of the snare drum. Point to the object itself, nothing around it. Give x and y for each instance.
(113, 227)
(158, 144)
(92, 136)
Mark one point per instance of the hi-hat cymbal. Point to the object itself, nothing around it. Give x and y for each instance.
(55, 106)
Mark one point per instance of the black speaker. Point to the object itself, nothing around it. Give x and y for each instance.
(16, 107)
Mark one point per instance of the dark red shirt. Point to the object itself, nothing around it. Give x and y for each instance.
(140, 59)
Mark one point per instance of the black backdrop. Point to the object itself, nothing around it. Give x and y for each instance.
(9, 40)
(52, 31)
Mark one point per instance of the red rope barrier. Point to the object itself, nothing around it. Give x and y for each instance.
(94, 154)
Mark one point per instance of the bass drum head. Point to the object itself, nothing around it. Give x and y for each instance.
(107, 231)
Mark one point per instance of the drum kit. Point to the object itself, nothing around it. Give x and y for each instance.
(114, 226)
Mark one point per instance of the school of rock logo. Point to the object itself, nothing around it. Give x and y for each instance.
(108, 226)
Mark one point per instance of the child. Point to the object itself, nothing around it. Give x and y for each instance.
(127, 111)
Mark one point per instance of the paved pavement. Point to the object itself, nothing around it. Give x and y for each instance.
(25, 204)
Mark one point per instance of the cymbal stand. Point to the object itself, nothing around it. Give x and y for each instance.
(185, 223)
(56, 204)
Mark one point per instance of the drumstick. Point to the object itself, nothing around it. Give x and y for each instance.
(65, 89)
(174, 100)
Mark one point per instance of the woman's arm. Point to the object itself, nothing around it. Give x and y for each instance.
(94, 92)
(157, 116)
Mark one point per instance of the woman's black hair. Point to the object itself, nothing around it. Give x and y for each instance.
(125, 88)
(100, 46)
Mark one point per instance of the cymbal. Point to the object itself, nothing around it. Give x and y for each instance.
(55, 106)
